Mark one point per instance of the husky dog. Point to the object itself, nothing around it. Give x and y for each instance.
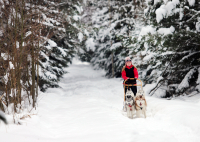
(140, 104)
(130, 104)
(2, 117)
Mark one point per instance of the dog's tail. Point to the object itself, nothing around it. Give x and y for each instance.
(3, 118)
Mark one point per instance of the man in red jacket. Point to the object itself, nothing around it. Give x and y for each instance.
(130, 71)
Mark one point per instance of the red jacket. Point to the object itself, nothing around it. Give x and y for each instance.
(124, 73)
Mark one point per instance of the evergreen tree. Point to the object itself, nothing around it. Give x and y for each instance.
(60, 18)
(38, 39)
(114, 25)
(172, 45)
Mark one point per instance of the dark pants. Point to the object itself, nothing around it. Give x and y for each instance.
(133, 88)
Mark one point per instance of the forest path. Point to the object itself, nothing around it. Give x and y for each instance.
(88, 108)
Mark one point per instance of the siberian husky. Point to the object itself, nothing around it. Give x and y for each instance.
(130, 104)
(140, 104)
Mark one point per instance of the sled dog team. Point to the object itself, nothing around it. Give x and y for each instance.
(134, 101)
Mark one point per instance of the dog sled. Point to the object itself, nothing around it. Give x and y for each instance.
(133, 103)
(127, 85)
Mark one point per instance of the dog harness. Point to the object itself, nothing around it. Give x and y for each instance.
(130, 107)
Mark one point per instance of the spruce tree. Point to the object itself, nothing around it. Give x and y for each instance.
(172, 46)
(59, 50)
(114, 25)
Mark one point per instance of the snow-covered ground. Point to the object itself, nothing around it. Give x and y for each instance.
(88, 108)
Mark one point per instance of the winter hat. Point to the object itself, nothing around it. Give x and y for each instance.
(127, 58)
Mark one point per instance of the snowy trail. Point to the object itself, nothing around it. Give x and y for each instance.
(88, 108)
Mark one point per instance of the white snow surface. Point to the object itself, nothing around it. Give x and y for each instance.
(88, 108)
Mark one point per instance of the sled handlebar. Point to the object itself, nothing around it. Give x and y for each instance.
(133, 84)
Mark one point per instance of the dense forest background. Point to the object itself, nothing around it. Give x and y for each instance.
(40, 38)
